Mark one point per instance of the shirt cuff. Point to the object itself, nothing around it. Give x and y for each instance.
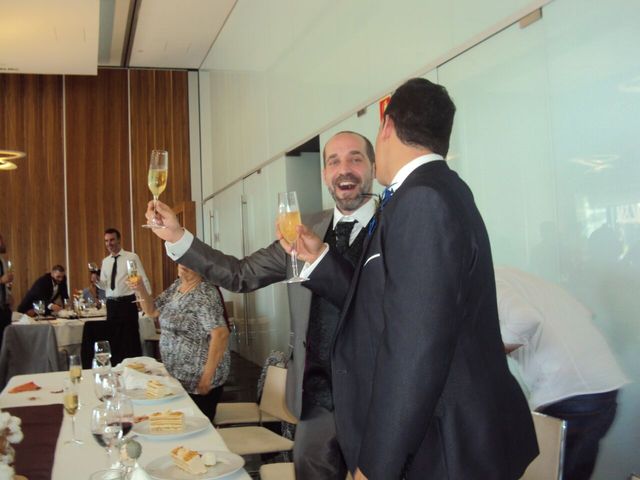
(178, 249)
(308, 268)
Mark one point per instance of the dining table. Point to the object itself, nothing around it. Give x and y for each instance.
(43, 453)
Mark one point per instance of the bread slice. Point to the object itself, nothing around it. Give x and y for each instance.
(188, 460)
(156, 389)
(168, 421)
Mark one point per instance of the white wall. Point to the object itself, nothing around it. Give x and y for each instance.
(348, 55)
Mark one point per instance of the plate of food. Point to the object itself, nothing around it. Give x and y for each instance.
(155, 392)
(169, 424)
(184, 464)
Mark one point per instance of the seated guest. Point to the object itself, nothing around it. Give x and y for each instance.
(194, 338)
(51, 288)
(564, 361)
(93, 293)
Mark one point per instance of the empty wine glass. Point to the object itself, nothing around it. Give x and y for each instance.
(70, 399)
(102, 352)
(157, 181)
(288, 220)
(106, 428)
(38, 307)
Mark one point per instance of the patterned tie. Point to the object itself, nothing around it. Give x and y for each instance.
(343, 233)
(114, 272)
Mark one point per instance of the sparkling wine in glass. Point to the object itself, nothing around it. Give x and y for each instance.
(70, 401)
(75, 368)
(102, 350)
(157, 181)
(93, 267)
(9, 270)
(288, 220)
(132, 275)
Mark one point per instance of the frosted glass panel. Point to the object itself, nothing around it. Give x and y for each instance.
(546, 136)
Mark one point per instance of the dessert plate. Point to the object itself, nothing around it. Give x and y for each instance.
(227, 463)
(138, 396)
(191, 425)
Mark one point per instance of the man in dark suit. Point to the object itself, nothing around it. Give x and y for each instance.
(348, 174)
(420, 382)
(51, 288)
(6, 277)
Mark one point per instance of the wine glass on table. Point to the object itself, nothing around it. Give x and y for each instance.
(157, 181)
(38, 307)
(75, 368)
(70, 400)
(132, 275)
(102, 352)
(106, 428)
(124, 408)
(288, 220)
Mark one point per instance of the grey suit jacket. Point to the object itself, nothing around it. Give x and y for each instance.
(264, 267)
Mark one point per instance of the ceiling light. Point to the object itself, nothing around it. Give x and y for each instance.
(6, 157)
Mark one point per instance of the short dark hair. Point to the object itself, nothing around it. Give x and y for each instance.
(57, 268)
(113, 230)
(422, 113)
(368, 147)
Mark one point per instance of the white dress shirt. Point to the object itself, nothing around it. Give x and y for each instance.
(122, 289)
(562, 352)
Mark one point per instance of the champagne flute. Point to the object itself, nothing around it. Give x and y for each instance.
(9, 270)
(157, 181)
(288, 220)
(132, 275)
(70, 399)
(75, 368)
(102, 350)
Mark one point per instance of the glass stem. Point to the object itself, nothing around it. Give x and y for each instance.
(294, 261)
(155, 211)
(73, 428)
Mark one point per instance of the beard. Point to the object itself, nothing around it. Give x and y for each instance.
(351, 199)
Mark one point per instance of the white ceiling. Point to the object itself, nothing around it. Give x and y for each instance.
(76, 36)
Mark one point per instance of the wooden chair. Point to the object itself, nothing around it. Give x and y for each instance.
(252, 440)
(550, 433)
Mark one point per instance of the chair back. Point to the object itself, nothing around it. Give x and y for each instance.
(273, 395)
(28, 349)
(550, 432)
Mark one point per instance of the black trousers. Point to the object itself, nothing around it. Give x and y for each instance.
(208, 403)
(316, 452)
(124, 333)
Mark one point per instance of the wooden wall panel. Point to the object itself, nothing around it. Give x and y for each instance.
(97, 143)
(32, 218)
(159, 120)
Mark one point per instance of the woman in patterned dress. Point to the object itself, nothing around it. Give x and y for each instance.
(194, 338)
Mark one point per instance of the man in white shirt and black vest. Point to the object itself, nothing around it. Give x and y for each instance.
(122, 311)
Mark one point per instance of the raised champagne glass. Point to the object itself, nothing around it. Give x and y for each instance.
(133, 276)
(70, 401)
(9, 270)
(288, 220)
(157, 181)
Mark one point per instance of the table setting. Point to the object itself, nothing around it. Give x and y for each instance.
(75, 429)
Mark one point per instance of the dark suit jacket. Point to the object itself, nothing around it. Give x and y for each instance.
(42, 289)
(264, 267)
(420, 379)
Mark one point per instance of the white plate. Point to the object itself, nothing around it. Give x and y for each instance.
(138, 396)
(163, 468)
(191, 425)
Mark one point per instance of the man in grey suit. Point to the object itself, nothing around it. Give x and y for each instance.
(348, 174)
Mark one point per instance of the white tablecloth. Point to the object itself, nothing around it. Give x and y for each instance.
(79, 461)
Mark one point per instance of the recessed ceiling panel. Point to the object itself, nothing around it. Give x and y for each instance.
(177, 34)
(49, 37)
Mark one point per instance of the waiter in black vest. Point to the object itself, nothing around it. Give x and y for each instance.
(122, 311)
(348, 174)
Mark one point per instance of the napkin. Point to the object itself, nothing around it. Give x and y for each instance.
(25, 387)
(138, 380)
(25, 320)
